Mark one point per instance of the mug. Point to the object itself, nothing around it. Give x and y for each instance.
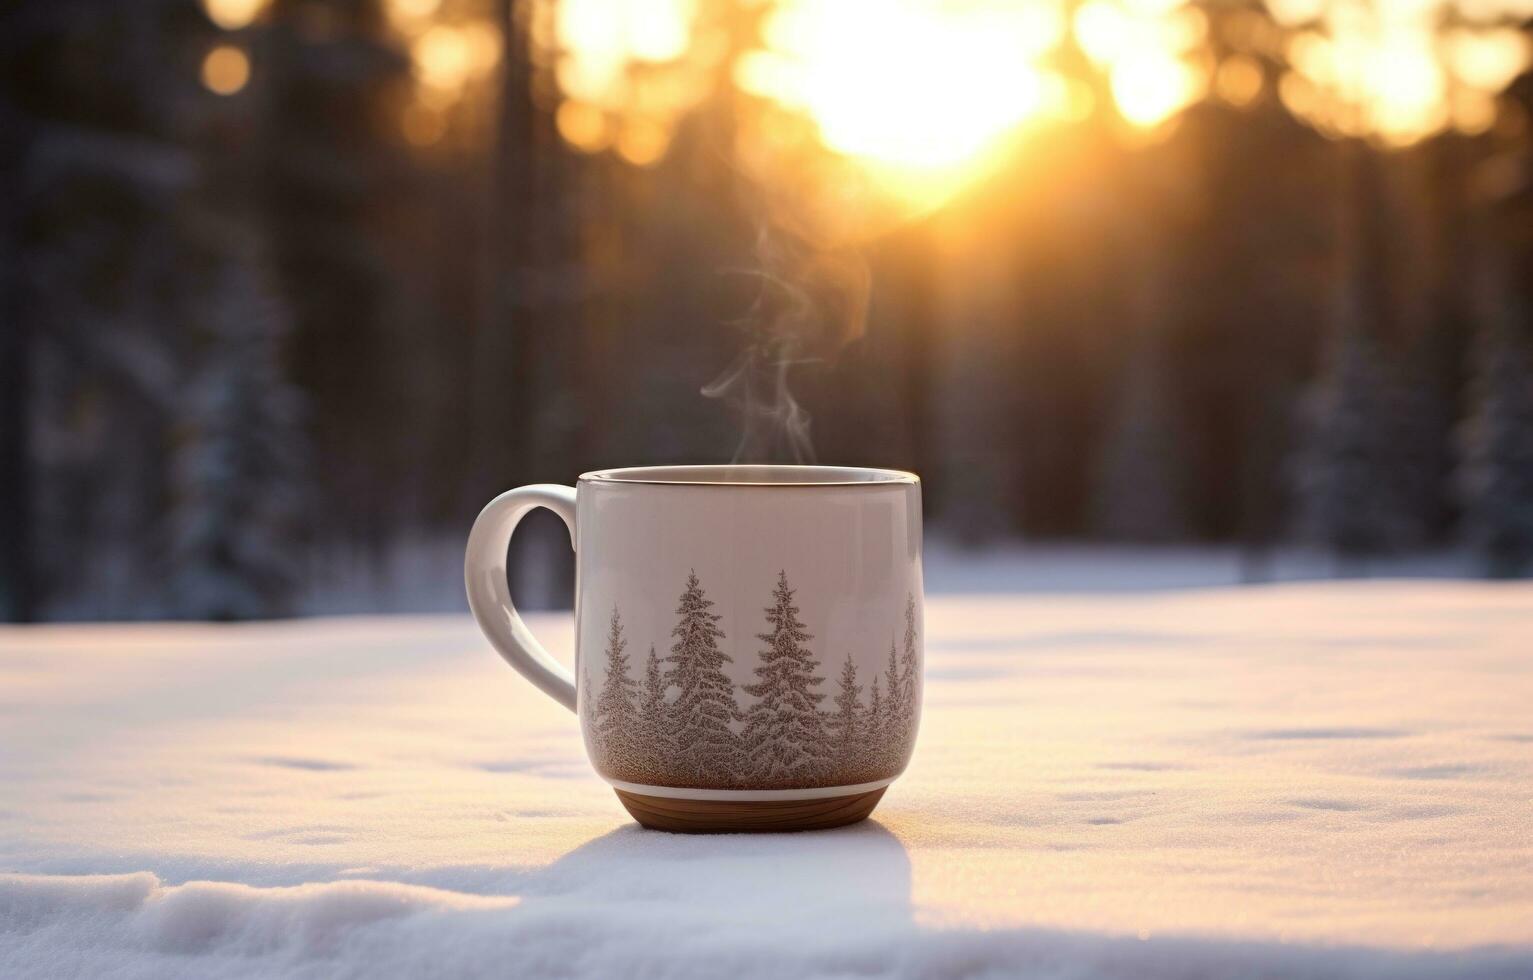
(748, 639)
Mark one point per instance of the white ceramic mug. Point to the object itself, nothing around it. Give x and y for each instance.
(748, 638)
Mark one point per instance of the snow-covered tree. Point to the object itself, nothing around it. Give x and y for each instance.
(1352, 497)
(617, 711)
(1497, 470)
(239, 463)
(845, 726)
(784, 739)
(705, 705)
(1138, 494)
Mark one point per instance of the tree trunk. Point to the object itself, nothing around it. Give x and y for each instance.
(18, 586)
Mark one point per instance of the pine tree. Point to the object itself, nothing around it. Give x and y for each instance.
(910, 680)
(705, 705)
(875, 724)
(1352, 497)
(239, 463)
(585, 696)
(108, 175)
(1138, 494)
(617, 713)
(1360, 488)
(910, 661)
(1497, 471)
(845, 727)
(653, 732)
(784, 738)
(335, 191)
(893, 727)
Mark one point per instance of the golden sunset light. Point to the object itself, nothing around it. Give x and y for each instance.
(925, 96)
(477, 477)
(925, 92)
(928, 88)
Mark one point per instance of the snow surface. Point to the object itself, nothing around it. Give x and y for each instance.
(1300, 780)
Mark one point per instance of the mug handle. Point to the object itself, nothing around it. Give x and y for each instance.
(489, 594)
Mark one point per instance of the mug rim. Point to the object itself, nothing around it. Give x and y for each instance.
(750, 475)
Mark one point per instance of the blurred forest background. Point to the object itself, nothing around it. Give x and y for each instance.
(290, 288)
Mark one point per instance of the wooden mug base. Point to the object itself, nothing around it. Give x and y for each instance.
(748, 817)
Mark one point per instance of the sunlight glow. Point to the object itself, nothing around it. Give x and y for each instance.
(1143, 45)
(443, 58)
(927, 94)
(232, 15)
(1405, 85)
(628, 70)
(1150, 87)
(1390, 72)
(601, 38)
(1293, 13)
(1487, 60)
(1104, 30)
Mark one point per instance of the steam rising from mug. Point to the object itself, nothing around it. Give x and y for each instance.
(811, 303)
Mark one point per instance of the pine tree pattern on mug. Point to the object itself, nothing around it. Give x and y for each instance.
(683, 725)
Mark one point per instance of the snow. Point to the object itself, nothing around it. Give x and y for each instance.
(1320, 780)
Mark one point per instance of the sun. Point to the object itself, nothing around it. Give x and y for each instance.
(920, 90)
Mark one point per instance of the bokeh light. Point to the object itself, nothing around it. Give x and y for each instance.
(232, 15)
(1150, 86)
(1238, 80)
(423, 125)
(225, 69)
(1391, 72)
(443, 58)
(583, 126)
(642, 143)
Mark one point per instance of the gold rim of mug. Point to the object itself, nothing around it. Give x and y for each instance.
(802, 476)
